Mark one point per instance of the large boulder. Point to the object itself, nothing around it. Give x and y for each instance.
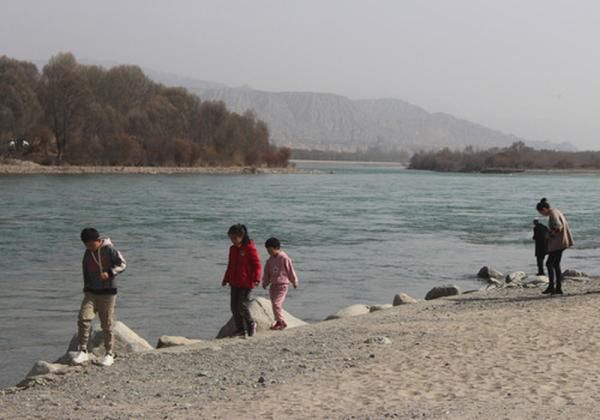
(442, 291)
(516, 278)
(535, 281)
(375, 308)
(44, 368)
(352, 310)
(403, 299)
(126, 341)
(262, 313)
(174, 341)
(488, 273)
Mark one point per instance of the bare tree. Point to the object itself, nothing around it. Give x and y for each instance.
(65, 97)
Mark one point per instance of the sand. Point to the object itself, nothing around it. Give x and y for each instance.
(501, 353)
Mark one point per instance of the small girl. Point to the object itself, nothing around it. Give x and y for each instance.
(242, 275)
(278, 273)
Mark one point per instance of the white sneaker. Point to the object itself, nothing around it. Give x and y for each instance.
(107, 360)
(81, 357)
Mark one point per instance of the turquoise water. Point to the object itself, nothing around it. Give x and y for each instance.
(357, 234)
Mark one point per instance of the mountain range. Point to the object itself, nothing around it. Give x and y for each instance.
(326, 121)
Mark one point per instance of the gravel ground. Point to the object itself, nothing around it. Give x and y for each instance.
(502, 353)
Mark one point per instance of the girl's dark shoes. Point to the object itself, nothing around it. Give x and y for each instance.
(251, 329)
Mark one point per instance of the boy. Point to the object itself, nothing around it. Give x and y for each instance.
(278, 273)
(540, 236)
(102, 262)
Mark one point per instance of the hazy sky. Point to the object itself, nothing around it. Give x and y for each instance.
(528, 67)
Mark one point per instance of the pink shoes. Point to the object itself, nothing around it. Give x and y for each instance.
(279, 325)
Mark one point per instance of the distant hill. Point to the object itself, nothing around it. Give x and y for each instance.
(327, 121)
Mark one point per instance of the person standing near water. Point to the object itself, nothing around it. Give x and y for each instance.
(278, 274)
(242, 275)
(560, 239)
(540, 236)
(102, 262)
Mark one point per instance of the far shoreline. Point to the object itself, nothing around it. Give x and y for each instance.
(31, 168)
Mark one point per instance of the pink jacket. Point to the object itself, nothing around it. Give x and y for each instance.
(279, 270)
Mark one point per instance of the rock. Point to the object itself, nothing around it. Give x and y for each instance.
(376, 308)
(535, 281)
(516, 277)
(378, 339)
(262, 312)
(352, 310)
(493, 283)
(403, 299)
(489, 273)
(574, 273)
(442, 291)
(43, 368)
(172, 341)
(126, 341)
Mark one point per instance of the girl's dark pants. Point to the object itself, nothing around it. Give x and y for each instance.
(554, 271)
(240, 298)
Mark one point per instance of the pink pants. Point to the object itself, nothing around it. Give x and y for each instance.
(278, 292)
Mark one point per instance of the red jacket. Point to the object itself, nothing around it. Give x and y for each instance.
(244, 267)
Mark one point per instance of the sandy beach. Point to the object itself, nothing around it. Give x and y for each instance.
(501, 353)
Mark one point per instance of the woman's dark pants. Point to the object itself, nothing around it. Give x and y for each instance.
(554, 271)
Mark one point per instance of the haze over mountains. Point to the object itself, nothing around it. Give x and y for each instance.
(325, 121)
(333, 122)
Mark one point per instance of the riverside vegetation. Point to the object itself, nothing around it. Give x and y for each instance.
(88, 115)
(517, 157)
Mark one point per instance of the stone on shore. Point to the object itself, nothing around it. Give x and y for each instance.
(517, 277)
(574, 273)
(442, 291)
(488, 273)
(378, 339)
(376, 308)
(262, 313)
(173, 341)
(44, 368)
(535, 281)
(403, 299)
(126, 341)
(353, 310)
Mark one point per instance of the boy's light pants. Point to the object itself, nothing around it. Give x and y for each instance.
(104, 305)
(278, 292)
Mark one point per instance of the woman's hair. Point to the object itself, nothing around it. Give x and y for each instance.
(273, 243)
(543, 204)
(240, 230)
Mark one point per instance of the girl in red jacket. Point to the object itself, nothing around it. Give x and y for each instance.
(242, 275)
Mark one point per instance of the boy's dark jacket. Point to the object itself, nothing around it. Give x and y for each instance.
(112, 263)
(540, 235)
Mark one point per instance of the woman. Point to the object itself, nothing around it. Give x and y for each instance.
(560, 239)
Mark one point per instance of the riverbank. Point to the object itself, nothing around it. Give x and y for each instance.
(500, 353)
(30, 168)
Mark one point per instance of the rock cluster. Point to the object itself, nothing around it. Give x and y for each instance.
(262, 313)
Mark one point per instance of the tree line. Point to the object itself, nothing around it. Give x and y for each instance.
(518, 156)
(90, 115)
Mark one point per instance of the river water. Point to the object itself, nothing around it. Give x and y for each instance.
(357, 234)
